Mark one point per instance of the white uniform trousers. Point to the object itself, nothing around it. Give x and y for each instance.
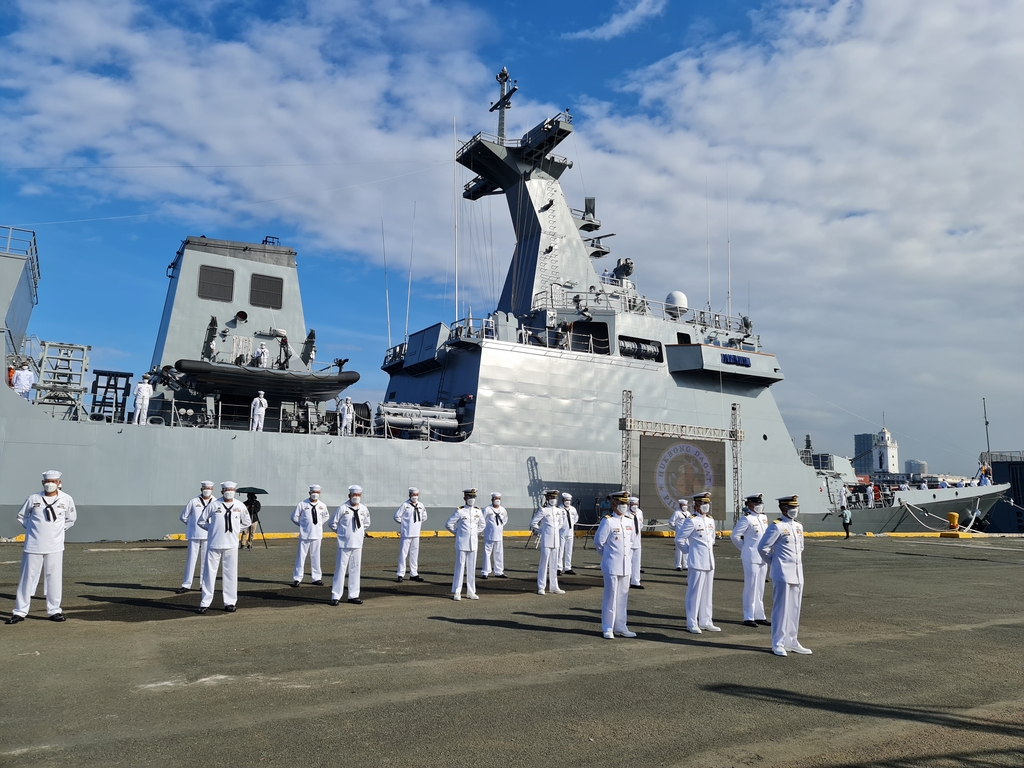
(216, 559)
(494, 550)
(754, 577)
(309, 547)
(547, 569)
(196, 554)
(682, 550)
(465, 567)
(565, 553)
(786, 613)
(350, 560)
(613, 604)
(635, 578)
(256, 422)
(141, 411)
(409, 548)
(52, 568)
(699, 587)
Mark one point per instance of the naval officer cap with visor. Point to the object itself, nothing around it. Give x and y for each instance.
(702, 498)
(788, 502)
(469, 492)
(757, 498)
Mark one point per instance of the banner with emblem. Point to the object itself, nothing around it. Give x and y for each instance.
(672, 468)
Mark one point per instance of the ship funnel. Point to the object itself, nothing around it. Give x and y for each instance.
(242, 316)
(675, 303)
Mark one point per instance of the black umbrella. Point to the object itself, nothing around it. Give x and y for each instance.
(257, 491)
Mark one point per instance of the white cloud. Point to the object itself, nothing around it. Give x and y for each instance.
(626, 20)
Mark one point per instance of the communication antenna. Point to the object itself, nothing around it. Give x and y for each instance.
(387, 295)
(728, 245)
(988, 445)
(504, 102)
(412, 246)
(707, 225)
(455, 196)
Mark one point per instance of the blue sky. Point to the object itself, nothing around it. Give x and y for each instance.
(871, 150)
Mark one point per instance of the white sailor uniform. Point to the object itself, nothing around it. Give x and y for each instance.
(310, 516)
(746, 535)
(699, 533)
(568, 538)
(548, 523)
(196, 538)
(494, 543)
(467, 523)
(782, 547)
(614, 542)
(45, 520)
(223, 521)
(410, 518)
(638, 526)
(675, 522)
(257, 411)
(143, 392)
(350, 523)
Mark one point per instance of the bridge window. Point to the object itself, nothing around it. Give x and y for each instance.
(266, 291)
(216, 283)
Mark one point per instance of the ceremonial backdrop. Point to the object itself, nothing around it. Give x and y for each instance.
(671, 469)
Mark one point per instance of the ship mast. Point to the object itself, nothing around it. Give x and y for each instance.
(504, 101)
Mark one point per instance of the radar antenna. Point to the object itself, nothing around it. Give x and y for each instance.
(504, 102)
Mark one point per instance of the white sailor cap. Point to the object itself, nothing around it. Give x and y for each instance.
(228, 485)
(355, 489)
(51, 474)
(684, 503)
(413, 490)
(348, 399)
(259, 392)
(206, 484)
(263, 344)
(634, 500)
(314, 489)
(567, 496)
(495, 495)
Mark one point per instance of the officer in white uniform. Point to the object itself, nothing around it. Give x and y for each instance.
(782, 547)
(871, 496)
(675, 522)
(572, 516)
(348, 415)
(263, 355)
(699, 533)
(746, 535)
(222, 520)
(310, 514)
(257, 411)
(410, 518)
(143, 391)
(548, 523)
(495, 517)
(195, 536)
(350, 521)
(467, 523)
(614, 542)
(23, 381)
(45, 517)
(638, 526)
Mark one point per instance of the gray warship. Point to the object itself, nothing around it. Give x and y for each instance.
(575, 381)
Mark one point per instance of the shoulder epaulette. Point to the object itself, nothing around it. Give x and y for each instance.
(778, 520)
(607, 516)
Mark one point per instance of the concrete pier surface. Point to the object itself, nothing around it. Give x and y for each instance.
(918, 661)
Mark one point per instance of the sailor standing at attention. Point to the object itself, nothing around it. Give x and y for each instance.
(350, 521)
(565, 545)
(410, 518)
(348, 415)
(782, 547)
(45, 517)
(195, 536)
(143, 391)
(638, 526)
(23, 381)
(310, 515)
(257, 411)
(222, 520)
(675, 522)
(746, 535)
(614, 542)
(467, 523)
(548, 523)
(699, 533)
(495, 517)
(262, 355)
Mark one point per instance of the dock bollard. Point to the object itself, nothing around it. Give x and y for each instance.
(953, 532)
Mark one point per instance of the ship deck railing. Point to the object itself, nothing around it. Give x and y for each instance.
(22, 242)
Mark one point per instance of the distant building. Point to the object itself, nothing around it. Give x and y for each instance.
(862, 447)
(915, 467)
(885, 453)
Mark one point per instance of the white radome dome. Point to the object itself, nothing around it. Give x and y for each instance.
(675, 303)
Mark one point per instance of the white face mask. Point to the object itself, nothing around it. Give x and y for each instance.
(471, 501)
(49, 487)
(229, 495)
(621, 509)
(355, 501)
(759, 509)
(496, 503)
(633, 507)
(314, 496)
(705, 508)
(414, 499)
(206, 493)
(792, 513)
(553, 503)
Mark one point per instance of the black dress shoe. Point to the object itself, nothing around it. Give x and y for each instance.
(58, 617)
(334, 602)
(14, 619)
(229, 608)
(295, 584)
(355, 601)
(482, 576)
(416, 578)
(201, 610)
(764, 622)
(637, 586)
(679, 569)
(318, 583)
(642, 571)
(570, 572)
(181, 590)
(500, 576)
(399, 579)
(750, 623)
